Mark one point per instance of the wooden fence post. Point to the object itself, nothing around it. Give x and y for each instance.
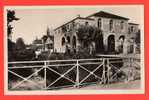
(77, 75)
(108, 71)
(45, 75)
(104, 72)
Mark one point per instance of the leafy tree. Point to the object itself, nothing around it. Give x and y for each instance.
(11, 45)
(20, 45)
(87, 34)
(21, 53)
(10, 18)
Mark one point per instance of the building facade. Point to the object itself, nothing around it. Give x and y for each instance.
(117, 35)
(46, 43)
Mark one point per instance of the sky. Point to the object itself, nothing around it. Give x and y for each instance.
(35, 20)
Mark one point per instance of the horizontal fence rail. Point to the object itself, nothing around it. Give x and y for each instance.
(56, 74)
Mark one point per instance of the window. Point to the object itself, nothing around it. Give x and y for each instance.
(86, 23)
(63, 41)
(121, 43)
(59, 30)
(111, 25)
(55, 31)
(122, 24)
(99, 23)
(67, 27)
(131, 28)
(68, 39)
(73, 24)
(74, 41)
(64, 29)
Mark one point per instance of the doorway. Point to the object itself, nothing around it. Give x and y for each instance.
(111, 44)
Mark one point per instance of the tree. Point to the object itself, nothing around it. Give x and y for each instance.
(10, 18)
(86, 34)
(21, 53)
(11, 45)
(20, 45)
(91, 38)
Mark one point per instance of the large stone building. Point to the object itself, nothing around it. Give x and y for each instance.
(117, 35)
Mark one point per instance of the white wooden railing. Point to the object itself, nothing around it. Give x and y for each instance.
(74, 72)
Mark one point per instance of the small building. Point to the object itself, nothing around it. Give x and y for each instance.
(37, 45)
(114, 34)
(45, 43)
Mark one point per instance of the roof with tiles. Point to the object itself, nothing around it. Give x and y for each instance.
(108, 15)
(74, 20)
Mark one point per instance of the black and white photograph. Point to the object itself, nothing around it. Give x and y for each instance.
(74, 49)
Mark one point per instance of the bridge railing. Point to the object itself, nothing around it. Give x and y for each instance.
(54, 74)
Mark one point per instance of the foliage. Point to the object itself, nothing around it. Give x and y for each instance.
(83, 53)
(86, 34)
(20, 45)
(10, 18)
(18, 52)
(11, 45)
(24, 55)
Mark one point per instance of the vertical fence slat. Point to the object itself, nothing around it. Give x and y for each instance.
(77, 75)
(45, 75)
(104, 71)
(108, 71)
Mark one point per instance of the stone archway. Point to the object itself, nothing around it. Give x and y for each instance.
(63, 41)
(121, 44)
(74, 43)
(111, 44)
(68, 39)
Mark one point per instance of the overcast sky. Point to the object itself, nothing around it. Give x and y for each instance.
(35, 20)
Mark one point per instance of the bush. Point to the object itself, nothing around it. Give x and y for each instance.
(24, 55)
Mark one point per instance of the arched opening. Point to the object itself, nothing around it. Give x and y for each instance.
(74, 43)
(131, 46)
(111, 25)
(86, 23)
(111, 44)
(121, 44)
(131, 28)
(63, 41)
(99, 23)
(122, 37)
(122, 24)
(68, 39)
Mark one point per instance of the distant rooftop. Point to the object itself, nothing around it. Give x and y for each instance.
(37, 41)
(108, 15)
